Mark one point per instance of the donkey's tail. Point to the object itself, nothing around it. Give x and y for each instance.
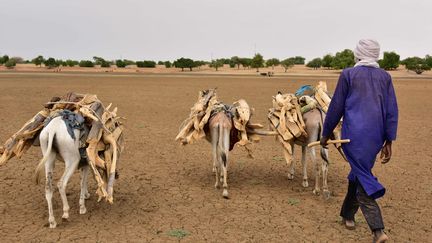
(38, 171)
(223, 146)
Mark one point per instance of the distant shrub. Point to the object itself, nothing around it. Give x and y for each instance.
(86, 63)
(120, 63)
(168, 64)
(4, 59)
(160, 63)
(315, 63)
(71, 63)
(146, 64)
(11, 63)
(51, 63)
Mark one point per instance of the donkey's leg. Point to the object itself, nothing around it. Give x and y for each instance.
(84, 193)
(316, 191)
(289, 159)
(215, 153)
(305, 182)
(226, 143)
(325, 164)
(49, 190)
(71, 163)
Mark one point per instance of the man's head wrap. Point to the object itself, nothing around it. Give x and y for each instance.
(367, 53)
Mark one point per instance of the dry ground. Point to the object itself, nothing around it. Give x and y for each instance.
(164, 186)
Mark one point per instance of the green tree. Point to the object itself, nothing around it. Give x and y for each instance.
(314, 63)
(428, 60)
(236, 61)
(245, 62)
(120, 63)
(327, 61)
(167, 64)
(217, 64)
(257, 61)
(390, 61)
(184, 63)
(272, 62)
(100, 61)
(416, 64)
(298, 60)
(71, 63)
(160, 63)
(288, 63)
(38, 60)
(146, 64)
(343, 59)
(50, 63)
(4, 59)
(11, 63)
(86, 63)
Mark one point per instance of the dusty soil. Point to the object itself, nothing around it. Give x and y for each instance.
(164, 186)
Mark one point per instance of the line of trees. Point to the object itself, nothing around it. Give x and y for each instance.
(341, 60)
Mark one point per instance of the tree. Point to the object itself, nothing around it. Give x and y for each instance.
(71, 63)
(428, 60)
(167, 64)
(416, 64)
(38, 60)
(199, 63)
(86, 63)
(160, 63)
(120, 63)
(146, 64)
(128, 62)
(257, 61)
(217, 63)
(50, 63)
(236, 61)
(11, 63)
(298, 60)
(184, 63)
(18, 59)
(272, 62)
(245, 62)
(343, 59)
(327, 61)
(314, 63)
(288, 63)
(100, 61)
(4, 59)
(390, 61)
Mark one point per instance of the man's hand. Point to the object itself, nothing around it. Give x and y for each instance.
(386, 152)
(323, 141)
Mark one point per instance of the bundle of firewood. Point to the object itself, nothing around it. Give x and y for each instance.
(104, 142)
(193, 128)
(321, 96)
(286, 118)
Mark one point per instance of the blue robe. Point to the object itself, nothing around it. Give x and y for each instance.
(366, 100)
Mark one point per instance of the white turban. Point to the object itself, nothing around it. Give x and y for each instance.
(367, 53)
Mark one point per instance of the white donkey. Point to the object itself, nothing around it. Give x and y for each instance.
(55, 140)
(313, 125)
(220, 126)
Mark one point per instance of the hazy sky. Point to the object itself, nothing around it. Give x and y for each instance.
(201, 29)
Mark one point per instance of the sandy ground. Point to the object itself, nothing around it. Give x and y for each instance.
(164, 186)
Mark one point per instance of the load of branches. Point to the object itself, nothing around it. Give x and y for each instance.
(286, 114)
(195, 126)
(103, 144)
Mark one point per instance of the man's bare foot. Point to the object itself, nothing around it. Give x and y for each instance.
(349, 224)
(380, 236)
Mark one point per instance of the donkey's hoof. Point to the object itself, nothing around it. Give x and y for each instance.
(217, 185)
(290, 176)
(87, 196)
(65, 216)
(225, 194)
(326, 194)
(305, 183)
(316, 192)
(83, 210)
(53, 225)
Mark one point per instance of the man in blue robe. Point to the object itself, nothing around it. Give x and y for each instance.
(366, 100)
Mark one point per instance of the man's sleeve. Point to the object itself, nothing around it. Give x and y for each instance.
(392, 114)
(337, 106)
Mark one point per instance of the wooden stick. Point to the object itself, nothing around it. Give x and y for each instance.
(329, 142)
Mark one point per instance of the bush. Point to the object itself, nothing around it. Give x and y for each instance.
(167, 64)
(160, 63)
(71, 63)
(4, 59)
(416, 64)
(272, 62)
(11, 63)
(314, 63)
(184, 63)
(51, 63)
(288, 63)
(327, 61)
(120, 64)
(390, 61)
(343, 59)
(86, 63)
(38, 60)
(146, 64)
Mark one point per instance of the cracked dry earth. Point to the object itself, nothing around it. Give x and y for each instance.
(165, 188)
